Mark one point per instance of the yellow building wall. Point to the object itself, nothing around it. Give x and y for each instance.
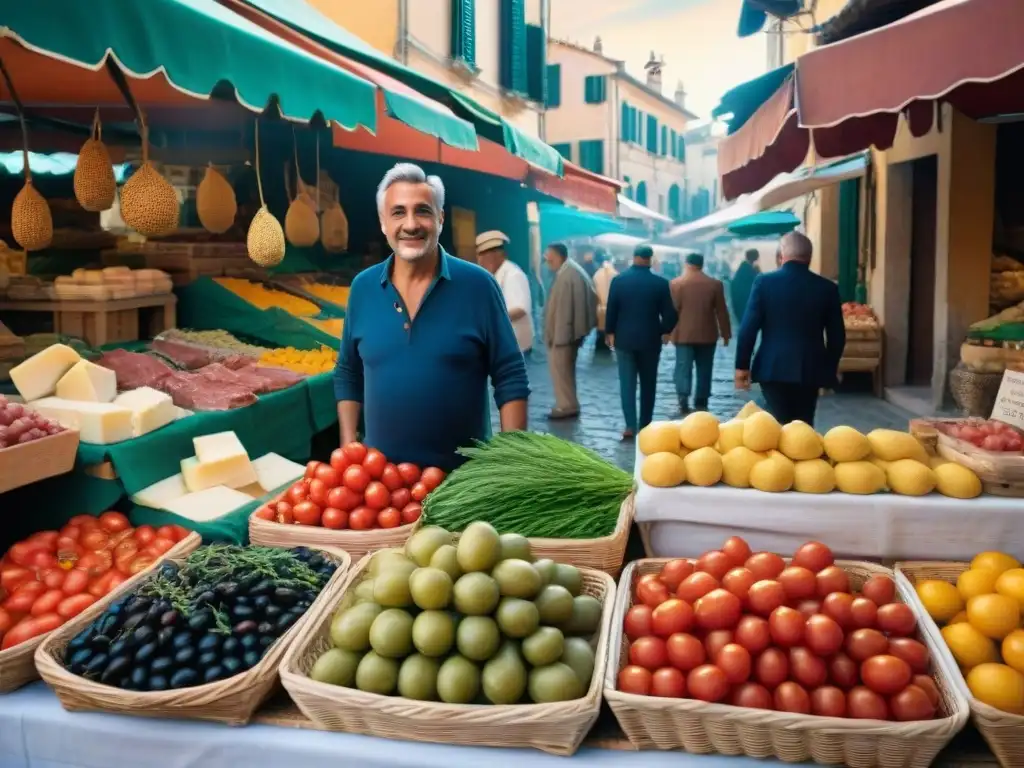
(373, 21)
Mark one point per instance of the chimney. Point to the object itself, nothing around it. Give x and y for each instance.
(680, 95)
(598, 45)
(653, 69)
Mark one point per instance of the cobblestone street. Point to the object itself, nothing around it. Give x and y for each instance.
(600, 424)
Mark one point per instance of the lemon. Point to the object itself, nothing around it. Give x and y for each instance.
(761, 431)
(1013, 649)
(698, 430)
(663, 470)
(998, 686)
(968, 646)
(941, 599)
(995, 561)
(1011, 584)
(994, 616)
(976, 581)
(730, 435)
(958, 619)
(658, 437)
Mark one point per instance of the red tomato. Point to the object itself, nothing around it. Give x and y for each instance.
(307, 513)
(828, 701)
(753, 634)
(864, 704)
(374, 463)
(716, 640)
(6, 622)
(862, 644)
(67, 546)
(814, 556)
(914, 652)
(180, 532)
(707, 683)
(45, 539)
(25, 629)
(95, 539)
(389, 517)
(298, 492)
(391, 479)
(116, 579)
(19, 603)
(674, 571)
(318, 491)
(739, 581)
(411, 512)
(101, 586)
(648, 652)
(718, 609)
(843, 671)
(73, 532)
(735, 661)
(839, 607)
(327, 475)
(823, 635)
(76, 582)
(41, 560)
(765, 596)
(285, 512)
(668, 682)
(311, 469)
(787, 626)
(670, 617)
(145, 534)
(86, 521)
(806, 668)
(924, 682)
(685, 652)
(53, 578)
(651, 592)
(265, 513)
(897, 619)
(376, 495)
(21, 553)
(912, 703)
(737, 549)
(114, 522)
(432, 477)
(809, 607)
(72, 606)
(886, 674)
(343, 498)
(798, 582)
(695, 586)
(751, 696)
(765, 565)
(96, 563)
(339, 461)
(715, 562)
(832, 579)
(138, 565)
(634, 679)
(362, 519)
(12, 576)
(335, 519)
(401, 498)
(410, 473)
(638, 622)
(161, 544)
(34, 588)
(863, 613)
(879, 589)
(791, 697)
(419, 491)
(771, 668)
(356, 478)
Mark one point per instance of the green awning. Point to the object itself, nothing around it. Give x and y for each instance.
(765, 224)
(301, 16)
(197, 44)
(741, 102)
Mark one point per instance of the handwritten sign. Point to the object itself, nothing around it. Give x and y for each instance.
(1009, 407)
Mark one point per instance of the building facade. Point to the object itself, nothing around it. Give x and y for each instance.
(491, 50)
(702, 193)
(604, 119)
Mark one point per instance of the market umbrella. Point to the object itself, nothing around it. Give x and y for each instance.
(765, 224)
(561, 222)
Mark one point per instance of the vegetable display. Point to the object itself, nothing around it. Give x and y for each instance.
(477, 621)
(749, 630)
(532, 484)
(20, 425)
(212, 618)
(988, 435)
(358, 489)
(52, 576)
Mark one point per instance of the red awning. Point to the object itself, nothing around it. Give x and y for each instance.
(579, 187)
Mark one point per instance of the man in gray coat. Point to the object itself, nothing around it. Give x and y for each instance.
(570, 315)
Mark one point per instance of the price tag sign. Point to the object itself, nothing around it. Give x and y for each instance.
(1009, 407)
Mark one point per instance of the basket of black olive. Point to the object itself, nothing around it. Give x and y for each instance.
(201, 638)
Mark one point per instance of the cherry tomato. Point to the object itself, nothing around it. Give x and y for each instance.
(886, 674)
(823, 635)
(391, 479)
(101, 586)
(138, 565)
(96, 563)
(53, 578)
(362, 519)
(21, 553)
(668, 682)
(339, 461)
(162, 544)
(73, 532)
(897, 619)
(649, 653)
(718, 609)
(739, 581)
(864, 704)
(716, 640)
(116, 579)
(265, 513)
(41, 560)
(839, 607)
(180, 532)
(771, 668)
(737, 550)
(45, 539)
(735, 661)
(814, 556)
(715, 562)
(832, 579)
(401, 498)
(72, 606)
(798, 582)
(765, 596)
(843, 671)
(374, 463)
(862, 644)
(376, 495)
(634, 679)
(411, 512)
(285, 512)
(419, 491)
(356, 478)
(327, 475)
(926, 684)
(6, 622)
(638, 622)
(114, 522)
(335, 519)
(28, 628)
(765, 565)
(751, 696)
(432, 477)
(95, 539)
(685, 652)
(299, 492)
(318, 491)
(809, 607)
(343, 498)
(914, 652)
(145, 534)
(695, 586)
(707, 683)
(912, 703)
(67, 545)
(786, 626)
(355, 451)
(806, 668)
(34, 588)
(307, 513)
(671, 617)
(127, 533)
(792, 697)
(12, 576)
(86, 521)
(674, 571)
(311, 469)
(389, 517)
(19, 603)
(828, 701)
(863, 613)
(410, 473)
(753, 634)
(651, 592)
(879, 589)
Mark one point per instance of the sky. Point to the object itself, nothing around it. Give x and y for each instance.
(696, 38)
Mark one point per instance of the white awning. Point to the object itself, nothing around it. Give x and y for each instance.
(631, 209)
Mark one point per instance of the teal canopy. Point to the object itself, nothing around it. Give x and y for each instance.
(560, 222)
(765, 224)
(197, 44)
(738, 104)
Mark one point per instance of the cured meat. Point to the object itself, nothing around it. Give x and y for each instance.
(133, 369)
(194, 392)
(184, 354)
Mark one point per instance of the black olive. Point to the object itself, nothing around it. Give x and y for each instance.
(140, 604)
(78, 641)
(265, 628)
(161, 665)
(106, 625)
(201, 620)
(184, 656)
(285, 596)
(144, 634)
(266, 641)
(116, 669)
(154, 613)
(183, 678)
(169, 618)
(163, 604)
(260, 602)
(208, 658)
(146, 652)
(251, 659)
(206, 597)
(243, 600)
(100, 642)
(244, 627)
(133, 621)
(316, 561)
(165, 635)
(227, 589)
(79, 659)
(250, 641)
(285, 622)
(158, 683)
(139, 677)
(169, 569)
(182, 639)
(243, 612)
(125, 683)
(96, 665)
(231, 645)
(212, 674)
(272, 611)
(231, 665)
(262, 588)
(208, 643)
(118, 647)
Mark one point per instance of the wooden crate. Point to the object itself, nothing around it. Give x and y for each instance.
(38, 460)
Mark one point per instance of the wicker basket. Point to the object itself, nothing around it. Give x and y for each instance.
(1003, 732)
(604, 554)
(17, 664)
(974, 393)
(699, 727)
(232, 701)
(556, 728)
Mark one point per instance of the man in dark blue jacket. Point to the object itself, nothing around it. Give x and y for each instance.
(800, 319)
(640, 313)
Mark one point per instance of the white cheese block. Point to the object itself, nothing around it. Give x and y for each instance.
(161, 493)
(273, 471)
(38, 376)
(88, 382)
(218, 447)
(151, 409)
(233, 472)
(99, 423)
(209, 504)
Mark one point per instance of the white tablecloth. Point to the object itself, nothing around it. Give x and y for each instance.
(688, 521)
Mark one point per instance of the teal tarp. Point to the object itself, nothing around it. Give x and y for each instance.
(765, 224)
(560, 222)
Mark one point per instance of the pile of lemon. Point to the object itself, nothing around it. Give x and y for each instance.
(304, 361)
(754, 451)
(981, 624)
(263, 297)
(336, 294)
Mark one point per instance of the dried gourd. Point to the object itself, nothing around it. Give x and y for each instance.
(215, 202)
(334, 228)
(265, 239)
(94, 182)
(31, 221)
(301, 223)
(149, 204)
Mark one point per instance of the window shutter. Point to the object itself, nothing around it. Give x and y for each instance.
(640, 126)
(536, 57)
(674, 139)
(554, 86)
(565, 150)
(464, 32)
(592, 155)
(652, 134)
(513, 46)
(625, 124)
(664, 140)
(594, 89)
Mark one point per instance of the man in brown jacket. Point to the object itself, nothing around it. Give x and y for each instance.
(703, 318)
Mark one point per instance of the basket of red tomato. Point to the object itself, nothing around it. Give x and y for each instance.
(52, 576)
(358, 501)
(803, 659)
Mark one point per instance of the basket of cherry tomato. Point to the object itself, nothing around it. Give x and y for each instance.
(358, 501)
(52, 576)
(800, 659)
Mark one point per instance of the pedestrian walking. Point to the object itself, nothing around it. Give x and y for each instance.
(742, 281)
(514, 284)
(602, 285)
(703, 319)
(570, 315)
(640, 315)
(800, 319)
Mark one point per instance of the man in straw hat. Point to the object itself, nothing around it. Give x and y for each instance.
(514, 284)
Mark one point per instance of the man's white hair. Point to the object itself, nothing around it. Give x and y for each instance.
(411, 173)
(796, 246)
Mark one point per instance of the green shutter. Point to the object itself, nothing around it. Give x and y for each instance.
(554, 85)
(849, 216)
(674, 144)
(464, 32)
(664, 140)
(513, 46)
(536, 58)
(625, 124)
(594, 89)
(592, 155)
(565, 150)
(652, 134)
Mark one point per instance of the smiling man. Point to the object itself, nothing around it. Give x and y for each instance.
(423, 333)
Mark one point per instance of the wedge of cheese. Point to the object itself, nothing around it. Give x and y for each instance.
(151, 409)
(38, 376)
(208, 504)
(88, 382)
(218, 447)
(162, 493)
(98, 423)
(273, 471)
(232, 472)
